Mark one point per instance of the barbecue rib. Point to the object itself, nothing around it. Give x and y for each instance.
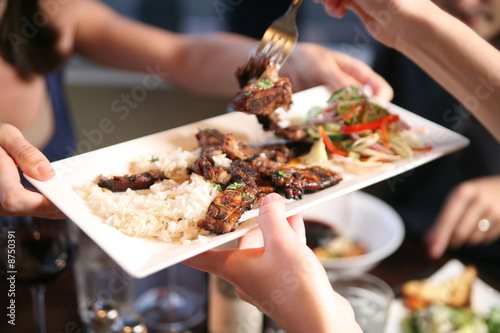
(254, 173)
(262, 93)
(138, 181)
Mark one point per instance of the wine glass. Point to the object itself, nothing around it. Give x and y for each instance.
(173, 300)
(35, 251)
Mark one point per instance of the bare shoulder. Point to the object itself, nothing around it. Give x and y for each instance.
(68, 15)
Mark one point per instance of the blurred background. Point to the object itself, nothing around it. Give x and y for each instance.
(93, 89)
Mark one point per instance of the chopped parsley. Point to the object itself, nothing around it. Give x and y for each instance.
(155, 159)
(235, 186)
(169, 197)
(265, 84)
(282, 174)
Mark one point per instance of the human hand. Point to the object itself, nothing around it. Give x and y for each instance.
(310, 65)
(284, 279)
(387, 20)
(15, 200)
(457, 224)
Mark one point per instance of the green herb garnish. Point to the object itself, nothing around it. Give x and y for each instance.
(235, 186)
(265, 84)
(155, 159)
(282, 174)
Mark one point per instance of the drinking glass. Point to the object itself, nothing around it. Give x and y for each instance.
(105, 292)
(369, 296)
(35, 251)
(173, 300)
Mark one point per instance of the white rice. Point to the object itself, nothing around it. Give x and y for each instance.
(169, 210)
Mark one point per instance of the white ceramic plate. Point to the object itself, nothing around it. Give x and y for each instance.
(483, 296)
(140, 256)
(364, 218)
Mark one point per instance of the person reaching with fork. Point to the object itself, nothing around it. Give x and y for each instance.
(448, 48)
(37, 37)
(453, 54)
(461, 216)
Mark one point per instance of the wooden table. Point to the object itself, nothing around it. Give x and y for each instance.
(410, 261)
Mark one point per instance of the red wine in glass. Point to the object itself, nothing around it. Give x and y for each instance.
(36, 251)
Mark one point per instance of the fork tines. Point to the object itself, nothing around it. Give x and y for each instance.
(280, 38)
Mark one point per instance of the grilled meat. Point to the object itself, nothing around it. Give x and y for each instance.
(138, 181)
(295, 182)
(255, 68)
(263, 92)
(270, 158)
(209, 137)
(254, 99)
(226, 210)
(204, 167)
(254, 173)
(238, 197)
(235, 149)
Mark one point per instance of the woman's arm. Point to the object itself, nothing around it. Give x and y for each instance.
(204, 63)
(458, 59)
(448, 50)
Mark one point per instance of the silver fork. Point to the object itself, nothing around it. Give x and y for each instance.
(280, 38)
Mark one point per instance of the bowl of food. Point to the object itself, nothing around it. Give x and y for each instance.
(353, 233)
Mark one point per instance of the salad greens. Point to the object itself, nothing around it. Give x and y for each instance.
(437, 318)
(356, 129)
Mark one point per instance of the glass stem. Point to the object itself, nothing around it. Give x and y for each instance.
(38, 296)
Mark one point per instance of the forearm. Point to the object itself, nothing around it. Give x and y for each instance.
(310, 304)
(463, 63)
(327, 313)
(211, 61)
(201, 63)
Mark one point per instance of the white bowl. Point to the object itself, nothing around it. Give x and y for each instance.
(364, 218)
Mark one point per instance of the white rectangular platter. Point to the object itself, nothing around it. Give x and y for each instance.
(143, 256)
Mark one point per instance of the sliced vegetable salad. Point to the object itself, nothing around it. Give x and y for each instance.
(444, 319)
(354, 128)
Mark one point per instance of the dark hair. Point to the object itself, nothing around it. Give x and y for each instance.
(27, 40)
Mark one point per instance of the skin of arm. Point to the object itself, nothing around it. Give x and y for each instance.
(454, 55)
(202, 63)
(284, 279)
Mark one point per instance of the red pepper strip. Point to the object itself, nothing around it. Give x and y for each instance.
(383, 130)
(426, 148)
(330, 146)
(349, 114)
(371, 125)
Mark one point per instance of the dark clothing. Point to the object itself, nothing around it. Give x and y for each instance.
(418, 195)
(252, 18)
(62, 143)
